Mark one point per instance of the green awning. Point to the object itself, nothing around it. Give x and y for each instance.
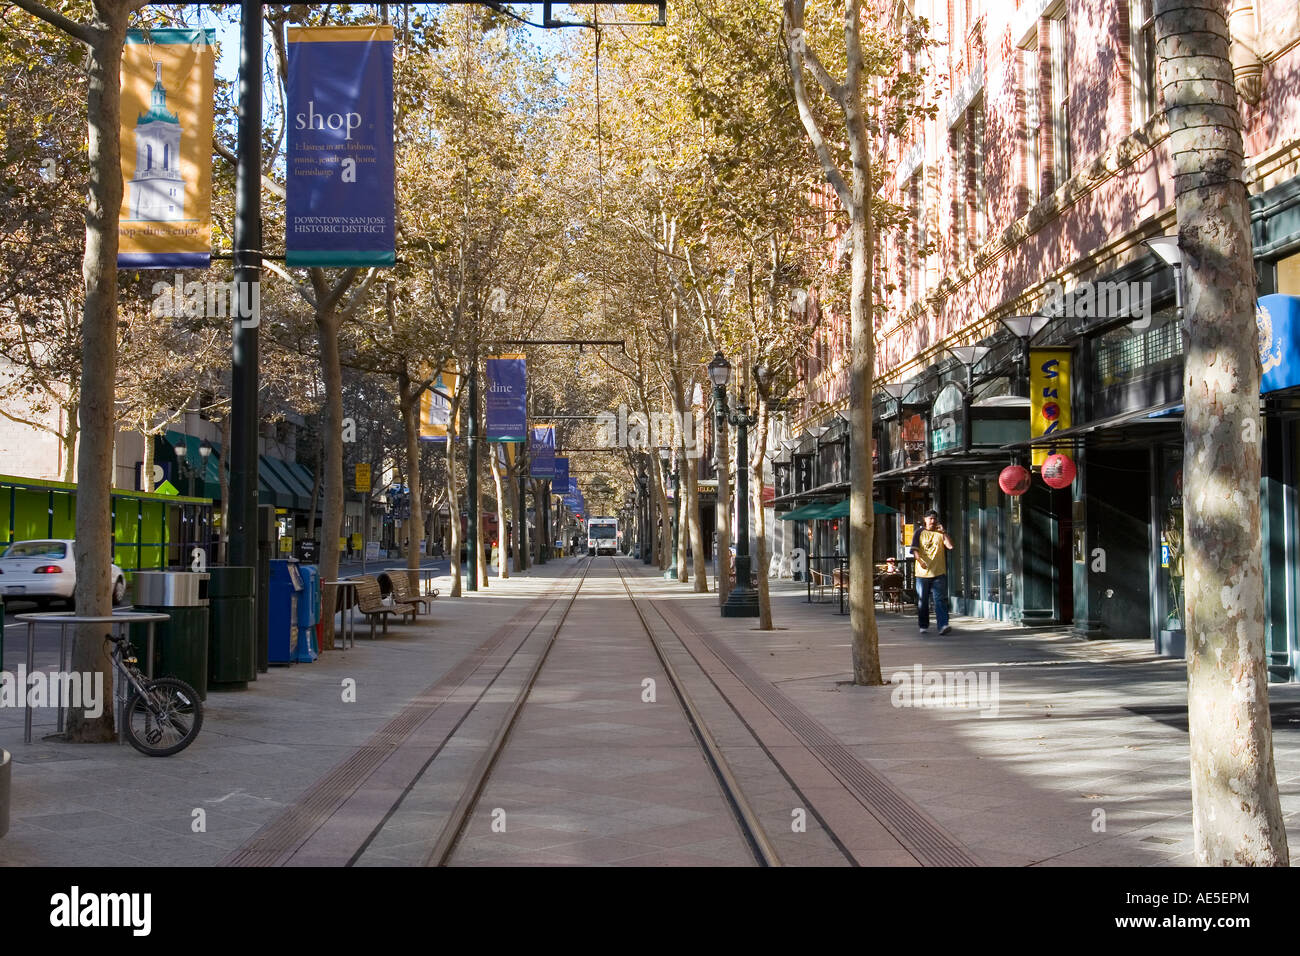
(823, 511)
(802, 513)
(203, 472)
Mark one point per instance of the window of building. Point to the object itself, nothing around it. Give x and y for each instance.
(1029, 141)
(914, 271)
(1059, 49)
(1142, 59)
(970, 202)
(1288, 275)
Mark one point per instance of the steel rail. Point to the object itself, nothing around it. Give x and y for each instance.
(764, 853)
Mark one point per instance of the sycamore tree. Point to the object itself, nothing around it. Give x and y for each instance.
(859, 90)
(1236, 814)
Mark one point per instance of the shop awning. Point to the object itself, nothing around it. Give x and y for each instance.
(806, 513)
(203, 469)
(823, 511)
(282, 483)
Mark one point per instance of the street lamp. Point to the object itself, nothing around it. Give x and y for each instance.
(1024, 328)
(742, 600)
(1166, 247)
(969, 356)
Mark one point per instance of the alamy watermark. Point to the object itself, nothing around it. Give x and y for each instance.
(214, 300)
(53, 689)
(1092, 300)
(971, 690)
(657, 430)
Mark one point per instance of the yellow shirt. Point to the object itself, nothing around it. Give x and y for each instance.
(932, 556)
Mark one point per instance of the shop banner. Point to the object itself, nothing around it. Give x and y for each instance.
(541, 453)
(560, 483)
(1049, 397)
(340, 205)
(1277, 317)
(435, 406)
(165, 220)
(505, 406)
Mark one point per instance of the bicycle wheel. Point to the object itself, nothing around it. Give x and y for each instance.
(168, 722)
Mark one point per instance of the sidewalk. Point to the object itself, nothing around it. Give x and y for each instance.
(260, 748)
(1084, 760)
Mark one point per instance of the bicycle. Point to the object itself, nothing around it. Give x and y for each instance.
(162, 715)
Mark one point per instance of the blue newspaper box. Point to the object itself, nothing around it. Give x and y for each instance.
(308, 614)
(285, 592)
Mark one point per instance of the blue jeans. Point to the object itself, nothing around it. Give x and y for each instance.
(939, 588)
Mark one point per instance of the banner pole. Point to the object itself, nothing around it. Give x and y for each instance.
(471, 452)
(242, 549)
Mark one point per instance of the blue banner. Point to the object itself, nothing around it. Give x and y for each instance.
(541, 453)
(505, 402)
(560, 483)
(1277, 318)
(339, 208)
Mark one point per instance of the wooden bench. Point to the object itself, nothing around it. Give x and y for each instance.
(403, 593)
(370, 602)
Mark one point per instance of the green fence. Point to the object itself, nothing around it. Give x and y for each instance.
(150, 531)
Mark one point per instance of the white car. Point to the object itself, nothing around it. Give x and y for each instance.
(45, 571)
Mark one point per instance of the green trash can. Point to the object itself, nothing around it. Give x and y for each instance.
(181, 643)
(232, 628)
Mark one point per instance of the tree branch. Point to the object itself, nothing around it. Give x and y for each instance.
(78, 31)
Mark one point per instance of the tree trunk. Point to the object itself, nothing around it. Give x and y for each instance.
(1236, 815)
(415, 520)
(146, 461)
(503, 539)
(760, 519)
(70, 442)
(327, 328)
(481, 552)
(94, 548)
(701, 567)
(453, 507)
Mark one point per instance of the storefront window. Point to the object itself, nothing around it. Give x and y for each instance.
(1171, 540)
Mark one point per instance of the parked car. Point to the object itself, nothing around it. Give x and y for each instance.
(44, 571)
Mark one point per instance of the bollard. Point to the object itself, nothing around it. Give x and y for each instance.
(6, 765)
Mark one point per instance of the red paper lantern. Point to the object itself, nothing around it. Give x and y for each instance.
(1059, 471)
(1014, 480)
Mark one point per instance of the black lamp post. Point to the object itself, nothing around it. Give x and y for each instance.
(1024, 327)
(742, 600)
(666, 456)
(643, 486)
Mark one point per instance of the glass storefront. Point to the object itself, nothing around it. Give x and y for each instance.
(981, 576)
(1169, 591)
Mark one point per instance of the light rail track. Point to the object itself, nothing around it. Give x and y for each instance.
(747, 821)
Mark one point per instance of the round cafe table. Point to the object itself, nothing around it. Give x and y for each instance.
(116, 620)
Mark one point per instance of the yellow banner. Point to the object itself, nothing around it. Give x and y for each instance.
(165, 219)
(362, 478)
(1049, 397)
(435, 406)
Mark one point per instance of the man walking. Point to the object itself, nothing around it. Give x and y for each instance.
(930, 547)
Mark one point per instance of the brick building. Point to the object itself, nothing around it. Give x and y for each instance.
(1032, 192)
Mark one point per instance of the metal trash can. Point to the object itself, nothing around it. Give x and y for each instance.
(181, 643)
(232, 628)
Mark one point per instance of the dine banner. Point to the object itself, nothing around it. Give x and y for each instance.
(165, 220)
(505, 405)
(340, 205)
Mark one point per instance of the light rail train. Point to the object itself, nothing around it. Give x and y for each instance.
(602, 535)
